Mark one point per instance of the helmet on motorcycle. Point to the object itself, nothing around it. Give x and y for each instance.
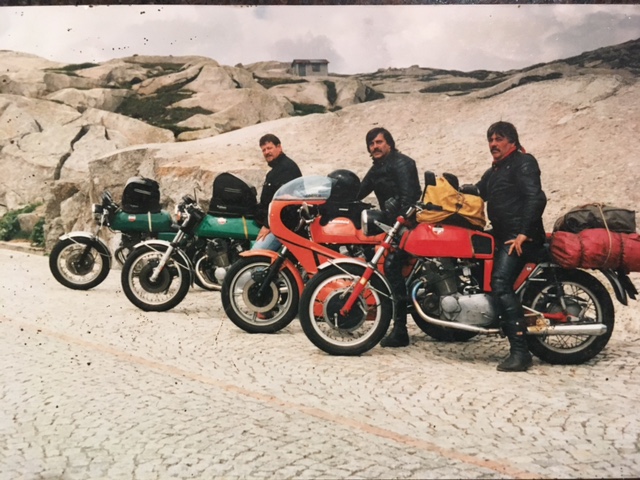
(345, 186)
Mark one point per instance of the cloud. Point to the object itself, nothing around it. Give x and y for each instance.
(355, 39)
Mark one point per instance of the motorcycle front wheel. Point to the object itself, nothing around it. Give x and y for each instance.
(79, 263)
(356, 332)
(253, 310)
(586, 300)
(160, 295)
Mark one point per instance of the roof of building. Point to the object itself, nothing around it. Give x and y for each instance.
(307, 61)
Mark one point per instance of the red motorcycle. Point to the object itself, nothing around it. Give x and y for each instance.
(316, 219)
(569, 313)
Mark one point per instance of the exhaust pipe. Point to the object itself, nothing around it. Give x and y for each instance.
(592, 329)
(585, 329)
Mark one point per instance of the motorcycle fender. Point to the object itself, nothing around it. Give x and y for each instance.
(186, 261)
(105, 249)
(342, 261)
(273, 256)
(618, 288)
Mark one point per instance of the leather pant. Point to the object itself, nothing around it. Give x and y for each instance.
(393, 266)
(506, 269)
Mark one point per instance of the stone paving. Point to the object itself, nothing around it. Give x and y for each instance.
(93, 388)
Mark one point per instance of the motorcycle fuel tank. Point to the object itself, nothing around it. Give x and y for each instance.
(239, 228)
(142, 222)
(341, 231)
(433, 240)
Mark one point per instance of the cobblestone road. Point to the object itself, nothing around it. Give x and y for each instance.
(92, 387)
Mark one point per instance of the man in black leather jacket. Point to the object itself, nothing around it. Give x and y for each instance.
(283, 170)
(393, 176)
(515, 203)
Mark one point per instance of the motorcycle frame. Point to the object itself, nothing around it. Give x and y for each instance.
(528, 273)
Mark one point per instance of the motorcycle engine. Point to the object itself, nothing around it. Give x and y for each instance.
(447, 279)
(476, 309)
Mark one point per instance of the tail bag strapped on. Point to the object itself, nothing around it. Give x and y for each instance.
(456, 206)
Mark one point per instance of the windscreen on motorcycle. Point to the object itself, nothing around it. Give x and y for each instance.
(312, 187)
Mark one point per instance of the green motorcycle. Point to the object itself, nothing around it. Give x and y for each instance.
(82, 260)
(157, 274)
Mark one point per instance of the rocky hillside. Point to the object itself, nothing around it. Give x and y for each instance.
(69, 131)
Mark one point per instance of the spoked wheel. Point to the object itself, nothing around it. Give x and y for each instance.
(205, 269)
(253, 308)
(359, 330)
(167, 291)
(587, 302)
(79, 263)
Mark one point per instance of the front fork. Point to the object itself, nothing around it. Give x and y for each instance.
(272, 271)
(166, 256)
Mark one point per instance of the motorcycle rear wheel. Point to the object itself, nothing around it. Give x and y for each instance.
(76, 268)
(166, 292)
(268, 314)
(585, 298)
(359, 331)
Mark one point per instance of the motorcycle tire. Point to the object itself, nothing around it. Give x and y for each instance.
(163, 294)
(359, 331)
(73, 269)
(585, 298)
(442, 334)
(269, 314)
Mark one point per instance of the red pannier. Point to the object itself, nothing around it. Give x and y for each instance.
(597, 248)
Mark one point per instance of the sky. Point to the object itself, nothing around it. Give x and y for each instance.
(354, 39)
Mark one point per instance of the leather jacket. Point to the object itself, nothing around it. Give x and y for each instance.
(395, 175)
(514, 196)
(283, 170)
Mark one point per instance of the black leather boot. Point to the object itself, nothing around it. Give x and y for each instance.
(519, 359)
(399, 337)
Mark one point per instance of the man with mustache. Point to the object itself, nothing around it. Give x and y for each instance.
(393, 178)
(515, 203)
(283, 170)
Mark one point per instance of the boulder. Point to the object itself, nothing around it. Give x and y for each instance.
(93, 142)
(211, 79)
(310, 93)
(116, 73)
(235, 109)
(55, 81)
(108, 99)
(28, 221)
(135, 131)
(350, 92)
(46, 113)
(152, 85)
(15, 123)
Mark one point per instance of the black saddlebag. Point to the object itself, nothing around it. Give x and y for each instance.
(232, 197)
(141, 195)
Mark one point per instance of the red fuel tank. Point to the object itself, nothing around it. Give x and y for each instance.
(340, 231)
(429, 240)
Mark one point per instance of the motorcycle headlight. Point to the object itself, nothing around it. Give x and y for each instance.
(368, 219)
(97, 209)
